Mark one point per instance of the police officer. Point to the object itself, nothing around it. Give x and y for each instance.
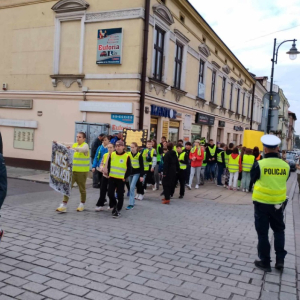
(3, 185)
(269, 199)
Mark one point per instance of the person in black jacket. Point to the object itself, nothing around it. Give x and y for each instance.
(97, 142)
(3, 185)
(171, 167)
(183, 159)
(211, 159)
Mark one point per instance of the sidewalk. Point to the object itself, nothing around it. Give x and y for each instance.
(201, 247)
(32, 175)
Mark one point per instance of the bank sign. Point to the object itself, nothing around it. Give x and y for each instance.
(109, 46)
(163, 112)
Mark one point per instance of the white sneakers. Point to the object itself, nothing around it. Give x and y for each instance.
(189, 187)
(197, 186)
(99, 208)
(62, 208)
(141, 197)
(136, 196)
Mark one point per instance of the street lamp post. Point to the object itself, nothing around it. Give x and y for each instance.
(293, 55)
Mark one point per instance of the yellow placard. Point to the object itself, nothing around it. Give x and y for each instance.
(135, 136)
(252, 139)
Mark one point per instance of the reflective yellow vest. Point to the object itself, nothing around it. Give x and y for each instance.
(248, 161)
(182, 165)
(81, 163)
(226, 156)
(145, 155)
(118, 165)
(204, 164)
(194, 149)
(219, 157)
(270, 188)
(158, 156)
(135, 160)
(233, 164)
(212, 151)
(104, 159)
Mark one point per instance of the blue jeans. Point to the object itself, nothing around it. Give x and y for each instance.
(220, 173)
(210, 169)
(132, 181)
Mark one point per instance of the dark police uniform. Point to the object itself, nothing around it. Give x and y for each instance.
(269, 199)
(3, 185)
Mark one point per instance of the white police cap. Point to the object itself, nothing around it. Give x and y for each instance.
(270, 141)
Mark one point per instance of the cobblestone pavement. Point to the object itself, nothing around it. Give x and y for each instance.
(201, 248)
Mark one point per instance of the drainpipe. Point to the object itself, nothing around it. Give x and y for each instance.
(144, 65)
(252, 105)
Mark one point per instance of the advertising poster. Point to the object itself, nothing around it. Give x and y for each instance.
(109, 46)
(135, 136)
(119, 122)
(61, 169)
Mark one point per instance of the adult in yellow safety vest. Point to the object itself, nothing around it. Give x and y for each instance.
(183, 160)
(221, 163)
(227, 154)
(119, 168)
(211, 158)
(233, 168)
(247, 163)
(81, 168)
(269, 198)
(104, 180)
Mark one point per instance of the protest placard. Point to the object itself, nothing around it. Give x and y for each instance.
(134, 135)
(252, 139)
(61, 169)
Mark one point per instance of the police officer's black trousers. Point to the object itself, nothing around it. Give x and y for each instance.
(267, 216)
(181, 178)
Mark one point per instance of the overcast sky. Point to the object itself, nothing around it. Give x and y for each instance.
(249, 27)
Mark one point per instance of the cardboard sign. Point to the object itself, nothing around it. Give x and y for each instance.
(135, 136)
(252, 139)
(61, 169)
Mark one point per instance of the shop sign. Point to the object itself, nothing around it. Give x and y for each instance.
(187, 124)
(154, 121)
(119, 122)
(163, 112)
(107, 107)
(165, 129)
(205, 119)
(221, 124)
(238, 128)
(109, 46)
(174, 124)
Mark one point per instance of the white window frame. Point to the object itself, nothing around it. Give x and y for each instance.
(64, 17)
(163, 26)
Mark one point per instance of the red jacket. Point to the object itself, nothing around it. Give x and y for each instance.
(199, 158)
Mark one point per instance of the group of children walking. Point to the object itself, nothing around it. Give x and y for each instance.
(164, 163)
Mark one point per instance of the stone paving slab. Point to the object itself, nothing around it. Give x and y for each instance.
(193, 248)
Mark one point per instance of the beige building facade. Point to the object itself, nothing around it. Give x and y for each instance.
(53, 83)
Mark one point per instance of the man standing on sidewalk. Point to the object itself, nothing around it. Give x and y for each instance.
(211, 157)
(269, 199)
(3, 185)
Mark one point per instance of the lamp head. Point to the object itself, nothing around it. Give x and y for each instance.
(293, 51)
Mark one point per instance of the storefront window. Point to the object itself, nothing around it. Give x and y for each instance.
(219, 133)
(173, 131)
(235, 136)
(196, 132)
(153, 128)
